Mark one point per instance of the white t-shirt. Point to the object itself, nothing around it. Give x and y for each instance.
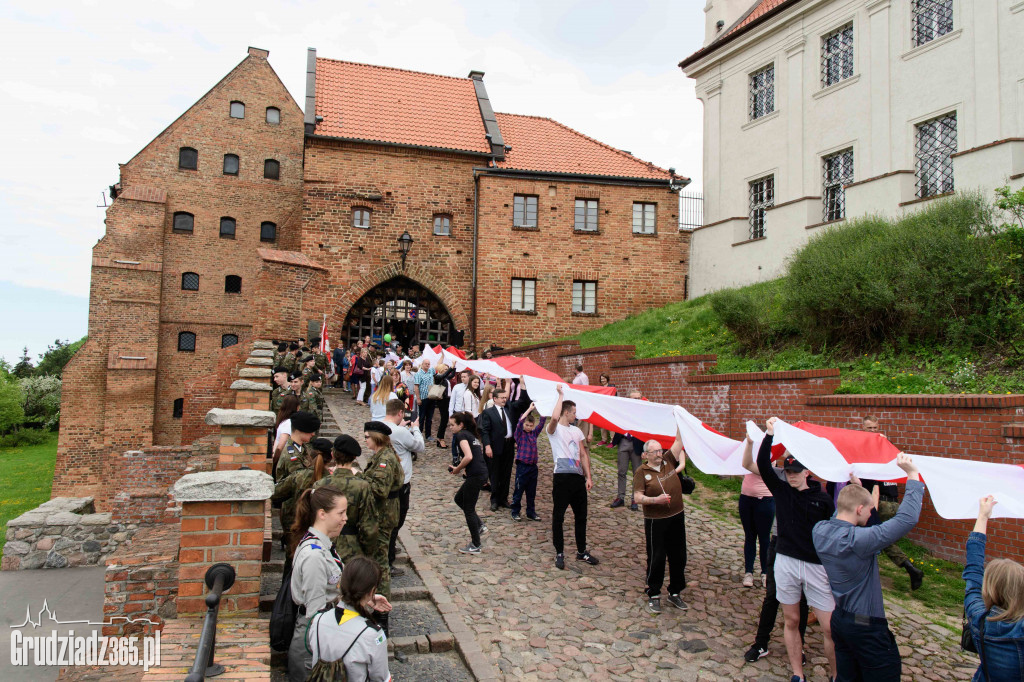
(581, 379)
(379, 410)
(285, 427)
(565, 448)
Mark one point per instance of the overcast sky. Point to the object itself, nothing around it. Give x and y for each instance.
(86, 84)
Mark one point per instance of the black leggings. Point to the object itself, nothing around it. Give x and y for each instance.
(442, 417)
(569, 490)
(466, 499)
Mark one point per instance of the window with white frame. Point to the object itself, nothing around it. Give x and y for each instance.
(524, 210)
(524, 294)
(762, 197)
(762, 92)
(584, 296)
(837, 55)
(836, 171)
(586, 215)
(361, 218)
(644, 215)
(442, 224)
(930, 19)
(936, 144)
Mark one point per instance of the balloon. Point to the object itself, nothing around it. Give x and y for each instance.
(387, 338)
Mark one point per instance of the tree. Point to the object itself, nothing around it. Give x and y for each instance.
(11, 412)
(24, 368)
(52, 362)
(41, 401)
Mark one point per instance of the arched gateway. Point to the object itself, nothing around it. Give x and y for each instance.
(407, 310)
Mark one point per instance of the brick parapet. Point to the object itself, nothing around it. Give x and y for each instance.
(141, 582)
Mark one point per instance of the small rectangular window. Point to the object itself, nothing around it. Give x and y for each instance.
(584, 296)
(227, 228)
(931, 19)
(228, 340)
(271, 169)
(586, 215)
(232, 284)
(188, 158)
(762, 197)
(524, 211)
(268, 232)
(837, 56)
(644, 217)
(190, 281)
(178, 408)
(523, 297)
(187, 342)
(230, 164)
(762, 92)
(837, 171)
(273, 115)
(936, 144)
(237, 110)
(183, 222)
(443, 225)
(361, 218)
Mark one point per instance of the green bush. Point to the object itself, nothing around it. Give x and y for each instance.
(12, 414)
(41, 400)
(24, 437)
(757, 315)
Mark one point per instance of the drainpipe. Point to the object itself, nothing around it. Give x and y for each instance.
(476, 235)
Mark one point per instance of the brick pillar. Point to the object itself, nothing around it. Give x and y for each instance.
(223, 514)
(243, 437)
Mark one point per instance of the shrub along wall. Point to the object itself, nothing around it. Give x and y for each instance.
(982, 427)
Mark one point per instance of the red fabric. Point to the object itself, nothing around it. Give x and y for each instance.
(600, 422)
(855, 446)
(455, 351)
(527, 367)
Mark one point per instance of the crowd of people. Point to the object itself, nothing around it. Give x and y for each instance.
(816, 545)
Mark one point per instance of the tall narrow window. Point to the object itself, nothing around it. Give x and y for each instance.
(524, 210)
(268, 232)
(837, 170)
(237, 110)
(271, 169)
(232, 284)
(189, 281)
(178, 408)
(644, 217)
(762, 197)
(523, 291)
(273, 115)
(762, 92)
(837, 56)
(584, 296)
(442, 225)
(227, 340)
(187, 341)
(936, 143)
(227, 228)
(188, 158)
(586, 215)
(230, 164)
(184, 222)
(931, 19)
(361, 218)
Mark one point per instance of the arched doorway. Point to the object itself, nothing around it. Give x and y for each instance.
(408, 311)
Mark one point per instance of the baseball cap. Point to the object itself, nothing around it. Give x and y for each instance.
(792, 464)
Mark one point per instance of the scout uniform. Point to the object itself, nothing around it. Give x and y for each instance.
(288, 362)
(316, 573)
(313, 401)
(385, 475)
(277, 397)
(359, 536)
(343, 638)
(321, 361)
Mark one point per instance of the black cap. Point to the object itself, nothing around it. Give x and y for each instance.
(315, 376)
(347, 445)
(379, 427)
(323, 445)
(279, 368)
(792, 464)
(294, 375)
(307, 358)
(306, 422)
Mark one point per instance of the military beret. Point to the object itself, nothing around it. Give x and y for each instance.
(279, 368)
(323, 445)
(347, 445)
(379, 427)
(294, 375)
(307, 358)
(316, 376)
(306, 422)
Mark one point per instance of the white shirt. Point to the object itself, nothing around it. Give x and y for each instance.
(565, 449)
(406, 441)
(581, 379)
(285, 427)
(379, 410)
(455, 405)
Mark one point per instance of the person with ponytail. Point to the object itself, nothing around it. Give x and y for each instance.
(346, 642)
(468, 457)
(288, 489)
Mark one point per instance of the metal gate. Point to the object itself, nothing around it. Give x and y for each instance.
(402, 308)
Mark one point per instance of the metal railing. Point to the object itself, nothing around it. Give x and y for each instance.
(219, 579)
(691, 210)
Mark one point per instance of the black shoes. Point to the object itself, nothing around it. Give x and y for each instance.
(618, 502)
(654, 604)
(755, 653)
(533, 517)
(588, 557)
(560, 561)
(915, 573)
(494, 506)
(676, 601)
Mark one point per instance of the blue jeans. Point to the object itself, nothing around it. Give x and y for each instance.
(526, 481)
(756, 515)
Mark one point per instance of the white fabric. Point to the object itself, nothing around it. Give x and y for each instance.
(485, 367)
(284, 427)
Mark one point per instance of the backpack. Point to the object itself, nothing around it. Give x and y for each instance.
(282, 618)
(331, 671)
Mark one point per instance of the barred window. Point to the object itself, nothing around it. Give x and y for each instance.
(837, 170)
(931, 19)
(273, 115)
(178, 408)
(232, 284)
(271, 169)
(524, 211)
(189, 281)
(361, 218)
(237, 110)
(442, 225)
(762, 92)
(936, 143)
(584, 296)
(227, 228)
(837, 56)
(188, 158)
(187, 341)
(268, 232)
(586, 215)
(183, 222)
(230, 164)
(523, 294)
(762, 197)
(228, 340)
(643, 217)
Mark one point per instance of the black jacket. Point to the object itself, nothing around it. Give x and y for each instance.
(796, 511)
(492, 431)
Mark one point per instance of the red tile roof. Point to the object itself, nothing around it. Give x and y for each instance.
(384, 104)
(289, 258)
(759, 8)
(541, 144)
(756, 14)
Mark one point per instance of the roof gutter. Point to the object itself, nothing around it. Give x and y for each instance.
(743, 30)
(400, 145)
(678, 180)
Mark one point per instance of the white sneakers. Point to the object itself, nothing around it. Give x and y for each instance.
(748, 580)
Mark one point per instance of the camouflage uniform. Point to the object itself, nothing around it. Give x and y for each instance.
(296, 460)
(313, 401)
(277, 397)
(289, 362)
(385, 475)
(294, 457)
(361, 531)
(321, 362)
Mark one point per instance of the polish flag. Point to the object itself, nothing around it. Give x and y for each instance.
(512, 367)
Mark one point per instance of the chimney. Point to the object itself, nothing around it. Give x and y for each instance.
(476, 75)
(258, 52)
(726, 13)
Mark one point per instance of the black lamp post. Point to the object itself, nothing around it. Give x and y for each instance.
(404, 244)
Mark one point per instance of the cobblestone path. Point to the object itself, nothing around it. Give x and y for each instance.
(534, 622)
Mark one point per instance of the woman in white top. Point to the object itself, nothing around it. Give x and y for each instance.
(485, 398)
(381, 396)
(471, 398)
(289, 406)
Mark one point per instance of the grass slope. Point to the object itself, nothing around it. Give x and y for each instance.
(27, 475)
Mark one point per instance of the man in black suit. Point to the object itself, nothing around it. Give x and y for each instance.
(497, 424)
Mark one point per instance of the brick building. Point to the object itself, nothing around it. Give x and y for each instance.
(247, 218)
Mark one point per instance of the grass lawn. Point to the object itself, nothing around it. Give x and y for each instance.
(27, 474)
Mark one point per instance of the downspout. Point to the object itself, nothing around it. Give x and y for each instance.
(476, 236)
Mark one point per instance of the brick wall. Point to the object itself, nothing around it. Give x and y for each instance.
(141, 581)
(211, 390)
(981, 427)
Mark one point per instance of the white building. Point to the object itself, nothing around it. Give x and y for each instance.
(816, 111)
